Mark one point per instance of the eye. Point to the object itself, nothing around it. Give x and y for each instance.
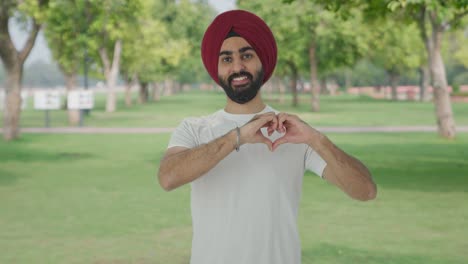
(226, 59)
(247, 56)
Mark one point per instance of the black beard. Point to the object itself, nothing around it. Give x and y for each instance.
(242, 95)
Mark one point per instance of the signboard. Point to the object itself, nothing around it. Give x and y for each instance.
(80, 99)
(24, 99)
(47, 100)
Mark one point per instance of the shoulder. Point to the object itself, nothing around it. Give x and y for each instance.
(268, 108)
(201, 121)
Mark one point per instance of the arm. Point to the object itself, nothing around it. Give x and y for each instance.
(342, 170)
(183, 165)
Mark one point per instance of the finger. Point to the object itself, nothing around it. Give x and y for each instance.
(266, 141)
(272, 125)
(269, 144)
(282, 118)
(270, 129)
(274, 122)
(279, 142)
(262, 118)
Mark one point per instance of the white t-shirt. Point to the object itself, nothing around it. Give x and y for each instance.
(244, 210)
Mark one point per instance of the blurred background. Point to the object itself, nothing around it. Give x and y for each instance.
(91, 89)
(390, 50)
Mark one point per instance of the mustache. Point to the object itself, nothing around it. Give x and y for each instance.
(239, 74)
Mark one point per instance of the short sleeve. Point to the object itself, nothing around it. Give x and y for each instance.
(183, 136)
(314, 162)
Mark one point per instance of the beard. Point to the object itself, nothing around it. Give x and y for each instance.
(245, 93)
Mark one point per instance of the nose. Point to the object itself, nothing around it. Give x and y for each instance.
(237, 66)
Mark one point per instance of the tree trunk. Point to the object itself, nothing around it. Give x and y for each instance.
(111, 71)
(156, 92)
(177, 87)
(128, 94)
(443, 105)
(348, 79)
(13, 61)
(70, 84)
(144, 93)
(168, 87)
(323, 86)
(394, 77)
(130, 81)
(274, 87)
(12, 105)
(424, 81)
(282, 91)
(315, 87)
(293, 83)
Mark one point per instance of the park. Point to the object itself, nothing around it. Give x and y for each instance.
(78, 181)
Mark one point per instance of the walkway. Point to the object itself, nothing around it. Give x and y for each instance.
(142, 130)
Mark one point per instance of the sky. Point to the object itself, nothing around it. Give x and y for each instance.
(41, 52)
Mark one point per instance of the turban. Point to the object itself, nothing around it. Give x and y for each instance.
(247, 25)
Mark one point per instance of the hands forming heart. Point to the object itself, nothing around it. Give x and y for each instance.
(294, 129)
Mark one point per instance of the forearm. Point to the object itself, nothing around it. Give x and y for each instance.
(343, 170)
(186, 166)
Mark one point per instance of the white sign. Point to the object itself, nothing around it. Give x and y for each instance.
(80, 99)
(46, 100)
(24, 99)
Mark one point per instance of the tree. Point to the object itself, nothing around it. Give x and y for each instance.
(110, 21)
(305, 30)
(281, 19)
(189, 22)
(441, 16)
(152, 51)
(31, 12)
(65, 32)
(434, 18)
(395, 47)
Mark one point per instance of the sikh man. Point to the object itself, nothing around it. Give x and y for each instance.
(246, 162)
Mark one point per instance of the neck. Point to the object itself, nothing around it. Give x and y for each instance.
(254, 106)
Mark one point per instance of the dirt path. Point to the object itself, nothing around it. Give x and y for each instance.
(143, 130)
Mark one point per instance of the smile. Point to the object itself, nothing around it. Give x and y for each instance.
(241, 78)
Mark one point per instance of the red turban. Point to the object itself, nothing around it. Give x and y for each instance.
(250, 27)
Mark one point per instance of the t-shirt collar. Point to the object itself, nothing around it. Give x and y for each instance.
(243, 118)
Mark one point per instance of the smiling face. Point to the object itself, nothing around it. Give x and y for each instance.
(240, 70)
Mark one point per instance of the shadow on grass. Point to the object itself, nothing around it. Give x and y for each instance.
(327, 253)
(8, 177)
(21, 150)
(23, 154)
(428, 167)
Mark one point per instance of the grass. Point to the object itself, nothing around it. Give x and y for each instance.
(95, 199)
(343, 110)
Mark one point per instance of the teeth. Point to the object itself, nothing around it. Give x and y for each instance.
(240, 78)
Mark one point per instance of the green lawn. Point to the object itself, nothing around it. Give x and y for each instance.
(95, 199)
(343, 110)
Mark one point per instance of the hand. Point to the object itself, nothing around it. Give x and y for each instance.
(251, 132)
(296, 131)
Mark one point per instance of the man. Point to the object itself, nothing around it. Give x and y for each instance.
(246, 162)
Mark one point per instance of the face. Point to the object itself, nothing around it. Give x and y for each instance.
(240, 70)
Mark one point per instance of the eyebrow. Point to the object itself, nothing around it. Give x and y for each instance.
(241, 50)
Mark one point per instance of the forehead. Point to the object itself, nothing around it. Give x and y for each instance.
(234, 44)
